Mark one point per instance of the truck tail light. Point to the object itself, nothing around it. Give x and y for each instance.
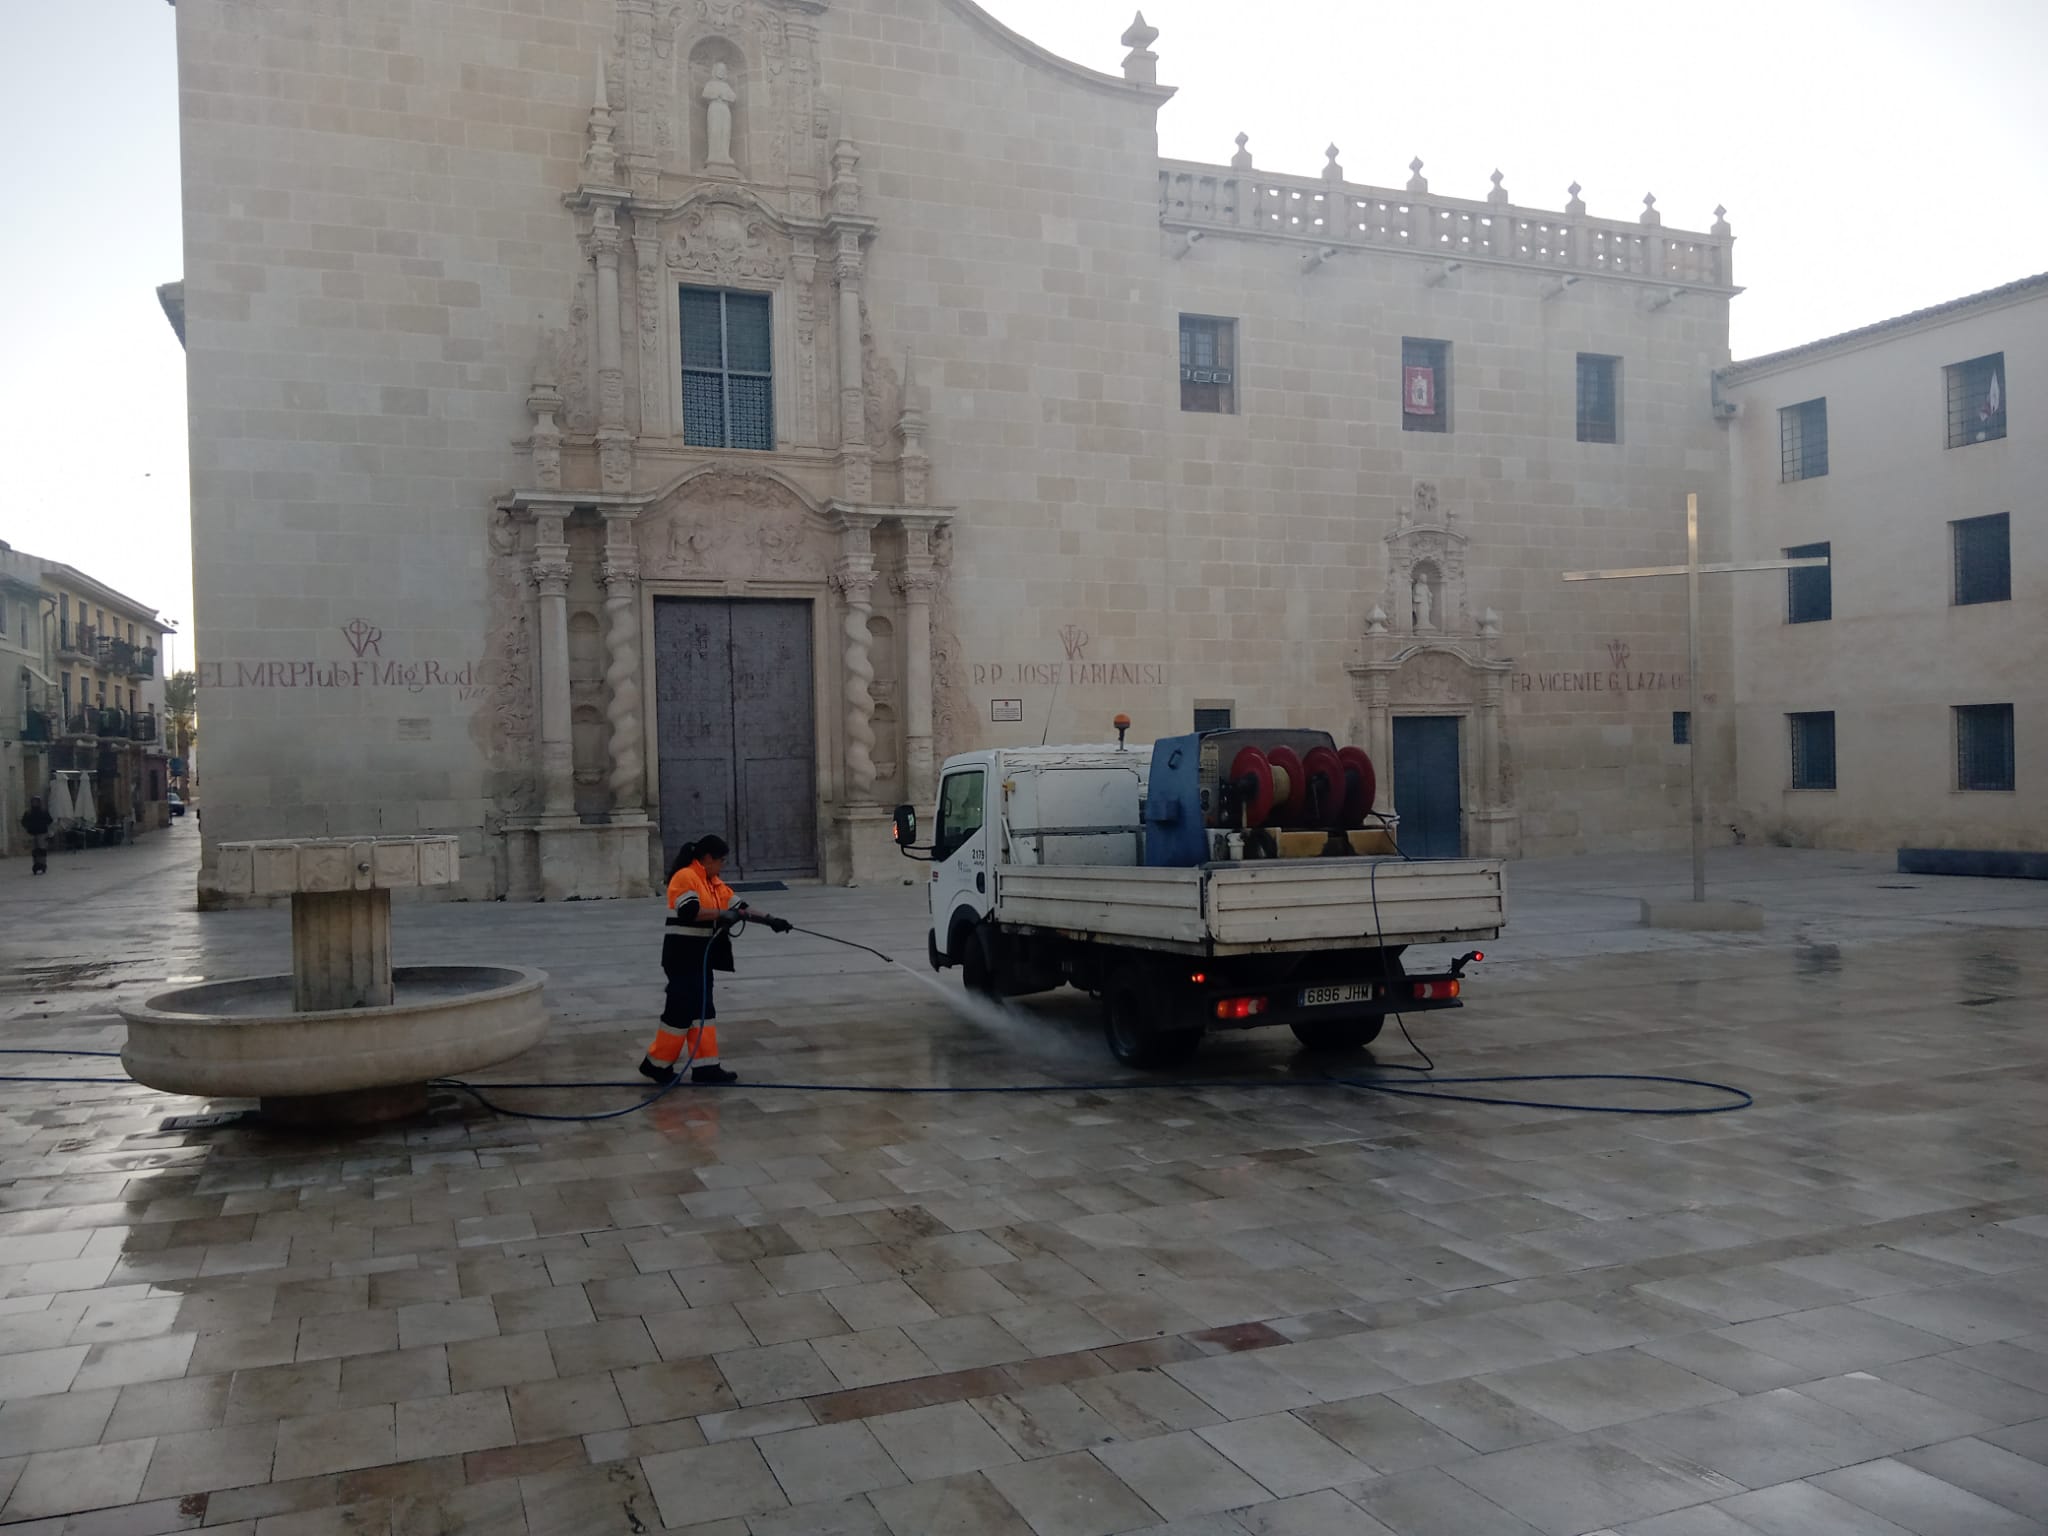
(1437, 991)
(1239, 1007)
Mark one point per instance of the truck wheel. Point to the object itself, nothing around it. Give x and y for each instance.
(1134, 1040)
(977, 966)
(1349, 1035)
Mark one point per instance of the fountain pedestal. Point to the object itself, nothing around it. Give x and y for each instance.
(346, 1038)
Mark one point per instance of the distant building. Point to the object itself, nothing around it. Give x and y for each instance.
(27, 693)
(84, 723)
(1899, 697)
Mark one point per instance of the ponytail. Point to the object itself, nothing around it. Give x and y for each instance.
(710, 846)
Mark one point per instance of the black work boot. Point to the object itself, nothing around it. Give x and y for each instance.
(657, 1071)
(713, 1073)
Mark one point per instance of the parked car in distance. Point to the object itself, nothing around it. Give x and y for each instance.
(177, 803)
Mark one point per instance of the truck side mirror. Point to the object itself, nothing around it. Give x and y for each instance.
(906, 826)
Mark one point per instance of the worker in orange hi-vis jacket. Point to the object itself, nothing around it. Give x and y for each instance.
(698, 940)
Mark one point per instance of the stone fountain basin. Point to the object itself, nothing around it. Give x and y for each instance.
(241, 1039)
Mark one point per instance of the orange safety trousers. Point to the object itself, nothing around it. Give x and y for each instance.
(699, 1042)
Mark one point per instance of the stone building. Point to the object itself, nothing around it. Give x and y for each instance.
(621, 419)
(1896, 698)
(85, 696)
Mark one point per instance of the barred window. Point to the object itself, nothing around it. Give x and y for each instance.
(1976, 400)
(1813, 750)
(1681, 727)
(1983, 559)
(1208, 364)
(1810, 591)
(1599, 398)
(1803, 441)
(1984, 755)
(1214, 716)
(728, 370)
(1425, 385)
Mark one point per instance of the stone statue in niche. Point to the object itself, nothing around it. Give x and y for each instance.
(1424, 602)
(719, 99)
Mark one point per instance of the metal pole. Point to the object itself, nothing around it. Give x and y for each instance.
(1692, 647)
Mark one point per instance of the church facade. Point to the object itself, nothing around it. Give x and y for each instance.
(654, 417)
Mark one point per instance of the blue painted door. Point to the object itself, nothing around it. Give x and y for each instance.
(1426, 786)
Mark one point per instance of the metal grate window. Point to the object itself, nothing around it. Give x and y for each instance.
(1976, 400)
(1803, 441)
(1214, 717)
(1984, 755)
(1813, 750)
(1599, 398)
(1809, 593)
(1425, 385)
(728, 370)
(1208, 364)
(1681, 727)
(1983, 559)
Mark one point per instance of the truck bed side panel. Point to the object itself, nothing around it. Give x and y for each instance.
(1160, 905)
(1291, 902)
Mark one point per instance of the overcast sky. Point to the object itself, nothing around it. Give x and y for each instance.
(1874, 156)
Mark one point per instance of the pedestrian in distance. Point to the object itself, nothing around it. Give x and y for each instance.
(702, 916)
(36, 821)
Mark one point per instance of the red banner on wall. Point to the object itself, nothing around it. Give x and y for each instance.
(1418, 391)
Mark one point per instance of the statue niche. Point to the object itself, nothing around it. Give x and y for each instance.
(718, 115)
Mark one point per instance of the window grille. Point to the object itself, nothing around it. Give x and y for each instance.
(1208, 364)
(1983, 559)
(1976, 400)
(1984, 747)
(1813, 750)
(1599, 398)
(1681, 727)
(1809, 592)
(1425, 385)
(728, 370)
(1803, 441)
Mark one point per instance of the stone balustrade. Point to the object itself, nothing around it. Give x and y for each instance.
(1328, 212)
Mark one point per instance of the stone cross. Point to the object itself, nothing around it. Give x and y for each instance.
(1692, 570)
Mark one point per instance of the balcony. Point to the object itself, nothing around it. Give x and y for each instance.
(38, 725)
(78, 640)
(124, 656)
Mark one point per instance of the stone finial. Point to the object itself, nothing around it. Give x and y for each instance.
(600, 156)
(1141, 65)
(1499, 195)
(1721, 226)
(1417, 182)
(1650, 213)
(1577, 205)
(1376, 621)
(1489, 625)
(1333, 172)
(1242, 160)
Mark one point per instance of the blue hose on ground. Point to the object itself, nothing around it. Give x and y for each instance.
(1410, 1088)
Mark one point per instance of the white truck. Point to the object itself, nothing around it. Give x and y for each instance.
(1174, 885)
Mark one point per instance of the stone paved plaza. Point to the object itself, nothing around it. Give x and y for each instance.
(1211, 1311)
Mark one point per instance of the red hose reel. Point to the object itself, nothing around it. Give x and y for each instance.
(1282, 788)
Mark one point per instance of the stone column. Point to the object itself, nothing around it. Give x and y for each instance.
(1489, 741)
(1379, 736)
(915, 582)
(614, 443)
(647, 288)
(854, 580)
(855, 456)
(557, 764)
(623, 669)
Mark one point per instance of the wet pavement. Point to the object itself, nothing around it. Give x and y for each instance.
(1286, 1310)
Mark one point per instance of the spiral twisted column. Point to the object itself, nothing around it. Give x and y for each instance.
(622, 676)
(854, 579)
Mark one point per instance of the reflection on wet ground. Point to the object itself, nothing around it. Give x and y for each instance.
(1188, 1309)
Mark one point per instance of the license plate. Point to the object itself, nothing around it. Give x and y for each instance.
(1322, 997)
